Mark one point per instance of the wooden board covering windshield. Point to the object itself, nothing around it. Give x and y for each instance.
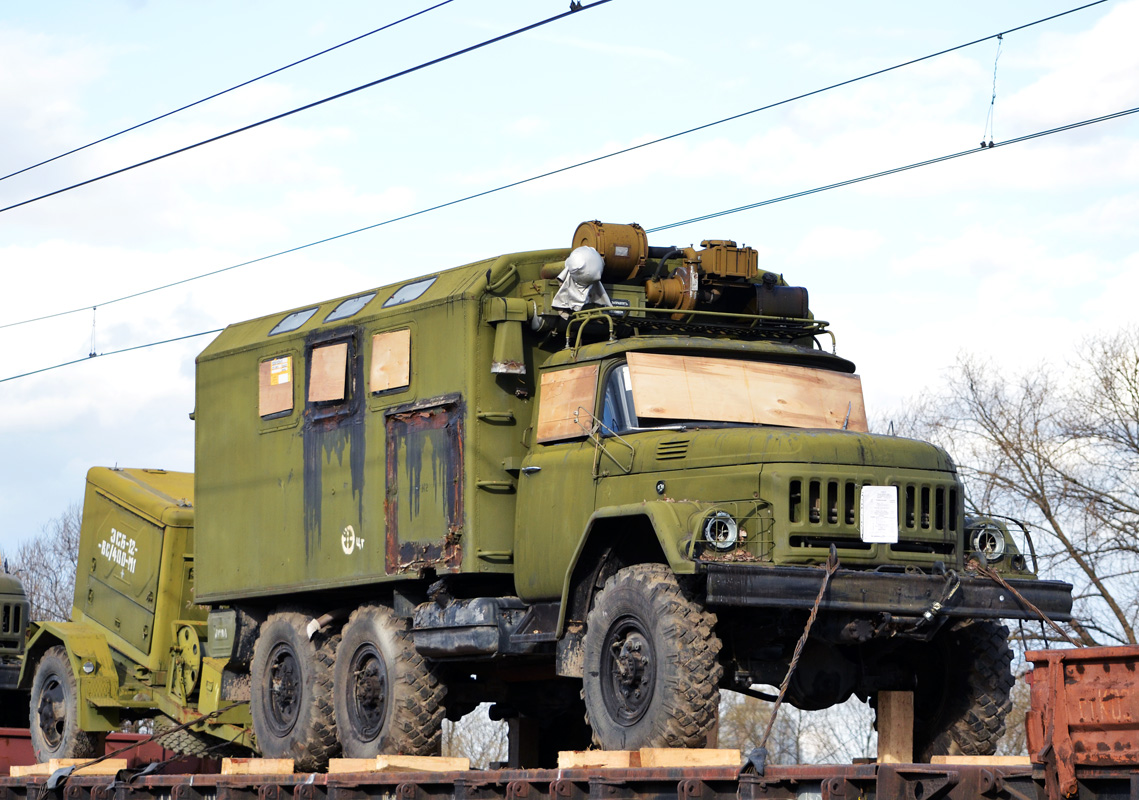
(727, 390)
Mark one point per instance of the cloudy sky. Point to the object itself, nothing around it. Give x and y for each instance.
(1017, 252)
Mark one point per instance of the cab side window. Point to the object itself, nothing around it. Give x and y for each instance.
(566, 403)
(618, 413)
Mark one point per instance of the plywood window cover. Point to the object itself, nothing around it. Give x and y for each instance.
(567, 396)
(328, 371)
(275, 377)
(391, 361)
(730, 390)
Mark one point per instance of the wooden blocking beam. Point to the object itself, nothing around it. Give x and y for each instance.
(341, 766)
(658, 757)
(598, 759)
(985, 761)
(108, 766)
(681, 757)
(895, 727)
(421, 764)
(257, 766)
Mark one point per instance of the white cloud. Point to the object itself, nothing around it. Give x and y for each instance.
(832, 242)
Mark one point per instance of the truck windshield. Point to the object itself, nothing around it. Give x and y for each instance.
(655, 390)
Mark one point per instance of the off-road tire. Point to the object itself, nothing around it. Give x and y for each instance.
(962, 694)
(388, 698)
(194, 743)
(652, 672)
(54, 719)
(291, 692)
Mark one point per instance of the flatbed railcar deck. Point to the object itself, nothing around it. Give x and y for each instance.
(835, 782)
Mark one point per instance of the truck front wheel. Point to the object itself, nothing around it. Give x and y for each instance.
(54, 720)
(387, 698)
(962, 694)
(652, 673)
(291, 701)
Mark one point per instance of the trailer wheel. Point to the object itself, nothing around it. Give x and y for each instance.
(962, 694)
(652, 673)
(388, 699)
(54, 719)
(291, 698)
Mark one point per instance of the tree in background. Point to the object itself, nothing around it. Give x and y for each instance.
(834, 735)
(1058, 448)
(477, 737)
(46, 564)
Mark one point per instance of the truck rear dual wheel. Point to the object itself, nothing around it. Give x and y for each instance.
(387, 698)
(291, 698)
(652, 672)
(54, 719)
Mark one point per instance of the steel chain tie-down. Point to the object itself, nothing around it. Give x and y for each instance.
(61, 775)
(993, 575)
(757, 758)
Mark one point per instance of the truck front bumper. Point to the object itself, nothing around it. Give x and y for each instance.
(900, 594)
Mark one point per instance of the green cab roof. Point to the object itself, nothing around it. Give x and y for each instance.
(157, 493)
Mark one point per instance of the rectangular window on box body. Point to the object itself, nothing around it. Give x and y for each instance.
(276, 382)
(391, 361)
(567, 402)
(328, 373)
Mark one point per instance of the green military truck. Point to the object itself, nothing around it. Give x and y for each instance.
(591, 485)
(14, 609)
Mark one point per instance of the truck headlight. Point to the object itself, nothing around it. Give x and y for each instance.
(721, 531)
(989, 540)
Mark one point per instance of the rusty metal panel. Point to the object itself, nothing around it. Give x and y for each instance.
(1085, 712)
(424, 499)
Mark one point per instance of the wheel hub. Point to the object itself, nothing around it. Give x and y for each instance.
(284, 688)
(52, 713)
(369, 692)
(631, 670)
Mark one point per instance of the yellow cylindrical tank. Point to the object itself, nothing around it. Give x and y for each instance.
(624, 247)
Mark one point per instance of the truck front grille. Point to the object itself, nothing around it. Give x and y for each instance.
(13, 620)
(825, 511)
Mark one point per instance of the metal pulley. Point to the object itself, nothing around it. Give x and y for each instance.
(186, 664)
(678, 291)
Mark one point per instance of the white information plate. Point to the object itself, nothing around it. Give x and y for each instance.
(878, 521)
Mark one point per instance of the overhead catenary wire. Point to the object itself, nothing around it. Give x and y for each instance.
(574, 9)
(110, 353)
(216, 95)
(893, 171)
(713, 215)
(549, 173)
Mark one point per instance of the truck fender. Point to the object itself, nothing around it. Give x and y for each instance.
(91, 663)
(649, 532)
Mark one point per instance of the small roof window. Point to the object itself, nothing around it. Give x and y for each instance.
(293, 321)
(349, 307)
(409, 292)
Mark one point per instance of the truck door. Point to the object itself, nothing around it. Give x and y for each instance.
(556, 486)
